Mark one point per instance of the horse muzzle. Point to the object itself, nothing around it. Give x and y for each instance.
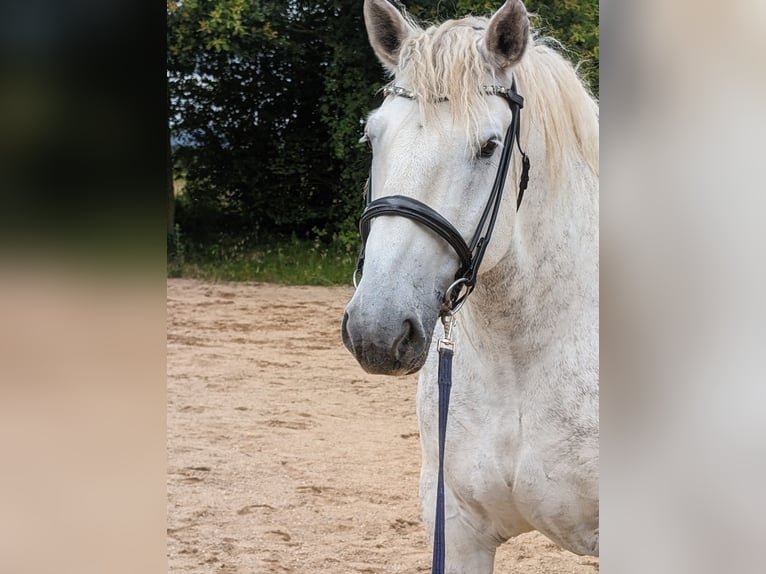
(385, 345)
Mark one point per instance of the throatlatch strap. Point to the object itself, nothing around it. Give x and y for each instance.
(445, 385)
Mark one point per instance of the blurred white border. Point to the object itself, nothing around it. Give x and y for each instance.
(683, 276)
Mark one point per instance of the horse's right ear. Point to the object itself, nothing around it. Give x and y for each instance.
(508, 33)
(386, 29)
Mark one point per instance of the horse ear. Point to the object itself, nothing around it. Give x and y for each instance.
(386, 29)
(508, 33)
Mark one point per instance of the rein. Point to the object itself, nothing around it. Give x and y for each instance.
(470, 255)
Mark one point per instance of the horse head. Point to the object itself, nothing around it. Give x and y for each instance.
(440, 144)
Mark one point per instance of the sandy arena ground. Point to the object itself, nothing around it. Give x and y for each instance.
(283, 455)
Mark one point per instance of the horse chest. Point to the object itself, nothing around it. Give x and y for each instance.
(483, 445)
(505, 459)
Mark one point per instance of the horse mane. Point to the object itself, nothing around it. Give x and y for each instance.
(449, 62)
(556, 98)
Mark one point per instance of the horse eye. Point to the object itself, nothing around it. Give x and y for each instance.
(487, 149)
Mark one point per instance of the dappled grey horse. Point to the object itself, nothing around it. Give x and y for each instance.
(522, 437)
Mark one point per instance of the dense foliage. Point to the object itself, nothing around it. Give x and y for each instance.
(267, 101)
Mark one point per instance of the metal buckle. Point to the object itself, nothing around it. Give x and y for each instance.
(452, 304)
(447, 341)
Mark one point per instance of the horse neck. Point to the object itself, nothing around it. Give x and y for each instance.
(547, 283)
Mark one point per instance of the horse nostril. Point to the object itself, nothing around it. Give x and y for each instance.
(398, 348)
(405, 341)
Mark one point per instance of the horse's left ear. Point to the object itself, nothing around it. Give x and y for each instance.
(508, 33)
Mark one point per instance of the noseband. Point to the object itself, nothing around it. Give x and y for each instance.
(470, 254)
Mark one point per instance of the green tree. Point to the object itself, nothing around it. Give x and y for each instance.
(245, 82)
(268, 99)
(575, 25)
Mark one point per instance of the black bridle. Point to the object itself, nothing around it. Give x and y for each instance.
(470, 254)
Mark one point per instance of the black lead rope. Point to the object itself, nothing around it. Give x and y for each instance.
(446, 352)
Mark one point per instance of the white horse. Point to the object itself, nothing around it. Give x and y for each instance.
(522, 437)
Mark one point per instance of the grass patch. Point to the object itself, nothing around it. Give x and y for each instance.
(294, 262)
